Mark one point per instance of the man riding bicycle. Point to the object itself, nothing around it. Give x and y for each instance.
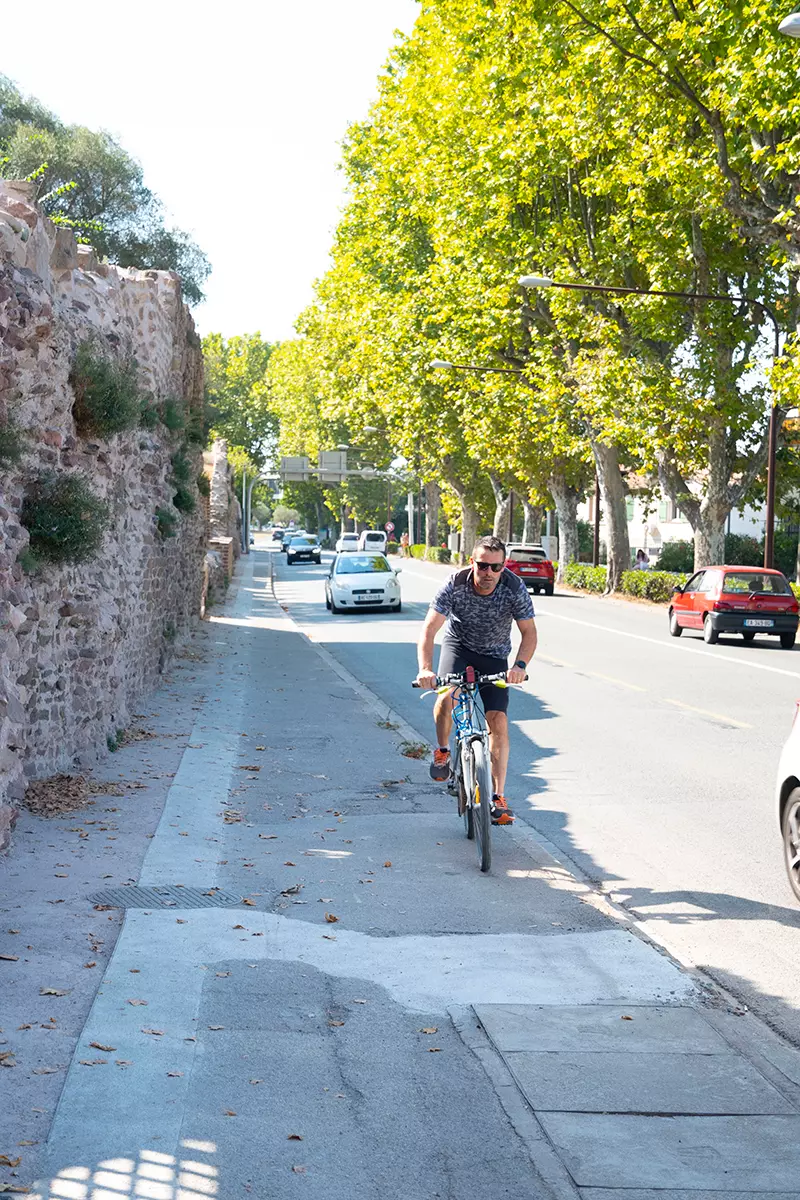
(479, 604)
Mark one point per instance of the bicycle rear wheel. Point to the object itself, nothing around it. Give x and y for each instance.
(462, 791)
(482, 802)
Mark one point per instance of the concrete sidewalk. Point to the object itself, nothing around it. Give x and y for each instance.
(345, 992)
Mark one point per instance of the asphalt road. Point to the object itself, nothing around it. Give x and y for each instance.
(649, 762)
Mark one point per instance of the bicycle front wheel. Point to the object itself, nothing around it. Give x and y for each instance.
(463, 791)
(482, 802)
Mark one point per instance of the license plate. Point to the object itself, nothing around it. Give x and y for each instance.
(530, 570)
(757, 623)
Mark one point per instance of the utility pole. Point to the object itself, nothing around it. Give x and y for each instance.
(596, 537)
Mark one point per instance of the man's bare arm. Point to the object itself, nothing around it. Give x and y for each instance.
(433, 623)
(527, 648)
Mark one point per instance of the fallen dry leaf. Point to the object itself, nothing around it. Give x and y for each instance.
(123, 1062)
(299, 1170)
(626, 1018)
(29, 1143)
(46, 1070)
(432, 1029)
(92, 1062)
(216, 1026)
(174, 1074)
(14, 931)
(180, 921)
(434, 1050)
(387, 863)
(251, 767)
(88, 965)
(330, 937)
(9, 957)
(54, 991)
(293, 890)
(137, 1002)
(18, 1189)
(289, 863)
(268, 837)
(100, 1046)
(228, 1112)
(330, 918)
(222, 974)
(256, 1081)
(5, 1161)
(336, 1023)
(154, 1032)
(295, 1137)
(261, 747)
(360, 1002)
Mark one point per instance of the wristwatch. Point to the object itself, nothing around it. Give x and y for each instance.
(521, 664)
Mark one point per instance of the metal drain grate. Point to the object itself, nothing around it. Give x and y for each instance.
(168, 896)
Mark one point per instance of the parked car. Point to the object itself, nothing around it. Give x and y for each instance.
(787, 799)
(348, 541)
(372, 539)
(277, 534)
(288, 534)
(741, 600)
(533, 567)
(304, 549)
(358, 580)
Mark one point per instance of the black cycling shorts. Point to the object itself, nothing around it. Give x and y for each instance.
(455, 658)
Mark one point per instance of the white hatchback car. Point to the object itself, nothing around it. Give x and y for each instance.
(348, 541)
(360, 580)
(372, 539)
(787, 798)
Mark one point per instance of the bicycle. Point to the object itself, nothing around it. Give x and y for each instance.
(471, 780)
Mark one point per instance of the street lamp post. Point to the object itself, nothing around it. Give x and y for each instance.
(543, 281)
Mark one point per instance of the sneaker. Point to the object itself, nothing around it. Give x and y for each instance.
(501, 813)
(440, 767)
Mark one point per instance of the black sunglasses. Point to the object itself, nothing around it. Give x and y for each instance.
(496, 567)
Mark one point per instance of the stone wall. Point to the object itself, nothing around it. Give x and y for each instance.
(80, 644)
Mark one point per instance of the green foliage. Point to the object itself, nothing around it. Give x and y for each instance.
(184, 500)
(172, 414)
(197, 428)
(676, 556)
(182, 469)
(166, 523)
(107, 396)
(238, 395)
(87, 180)
(652, 585)
(285, 516)
(203, 484)
(392, 547)
(149, 415)
(438, 554)
(585, 577)
(12, 443)
(66, 521)
(30, 562)
(417, 550)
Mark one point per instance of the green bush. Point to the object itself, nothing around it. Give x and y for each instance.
(438, 554)
(172, 414)
(392, 547)
(149, 415)
(107, 396)
(657, 586)
(166, 523)
(12, 443)
(65, 519)
(31, 563)
(184, 501)
(796, 589)
(585, 577)
(181, 467)
(203, 484)
(196, 430)
(418, 550)
(676, 556)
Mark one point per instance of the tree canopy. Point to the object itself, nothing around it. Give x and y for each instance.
(109, 201)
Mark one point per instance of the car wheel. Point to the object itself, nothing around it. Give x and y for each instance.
(398, 607)
(748, 637)
(675, 629)
(710, 635)
(318, 561)
(790, 828)
(334, 608)
(787, 641)
(549, 588)
(327, 602)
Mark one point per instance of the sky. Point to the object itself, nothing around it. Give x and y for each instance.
(236, 110)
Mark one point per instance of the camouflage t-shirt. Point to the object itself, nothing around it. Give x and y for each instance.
(483, 623)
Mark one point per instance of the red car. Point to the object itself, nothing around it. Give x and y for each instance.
(742, 600)
(533, 567)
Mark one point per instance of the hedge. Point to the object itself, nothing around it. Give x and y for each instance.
(649, 585)
(392, 547)
(438, 554)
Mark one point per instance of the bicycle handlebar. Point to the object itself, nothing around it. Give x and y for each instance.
(456, 680)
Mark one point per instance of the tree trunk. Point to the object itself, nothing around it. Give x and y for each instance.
(502, 504)
(469, 528)
(433, 498)
(709, 533)
(612, 491)
(565, 499)
(534, 514)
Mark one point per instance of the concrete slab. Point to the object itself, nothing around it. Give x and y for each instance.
(656, 1029)
(643, 1083)
(681, 1194)
(723, 1154)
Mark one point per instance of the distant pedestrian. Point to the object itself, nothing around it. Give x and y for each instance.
(642, 561)
(404, 544)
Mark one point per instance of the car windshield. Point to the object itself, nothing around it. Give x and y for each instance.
(349, 537)
(361, 564)
(754, 581)
(303, 541)
(526, 554)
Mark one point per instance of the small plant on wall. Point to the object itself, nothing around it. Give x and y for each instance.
(12, 443)
(107, 396)
(65, 519)
(166, 523)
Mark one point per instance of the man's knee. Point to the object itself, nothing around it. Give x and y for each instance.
(497, 722)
